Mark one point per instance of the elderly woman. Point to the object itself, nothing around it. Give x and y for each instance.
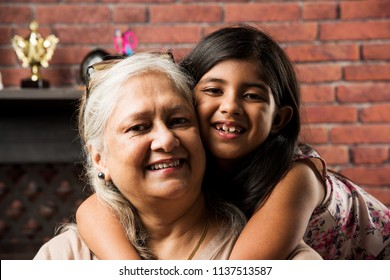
(145, 161)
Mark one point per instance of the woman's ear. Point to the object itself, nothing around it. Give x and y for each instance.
(282, 117)
(99, 162)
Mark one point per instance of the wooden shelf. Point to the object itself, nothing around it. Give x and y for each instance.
(41, 94)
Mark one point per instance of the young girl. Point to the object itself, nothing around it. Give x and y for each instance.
(248, 105)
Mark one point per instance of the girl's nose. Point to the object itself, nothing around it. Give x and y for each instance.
(164, 139)
(230, 104)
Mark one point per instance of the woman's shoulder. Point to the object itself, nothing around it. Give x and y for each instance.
(229, 222)
(67, 245)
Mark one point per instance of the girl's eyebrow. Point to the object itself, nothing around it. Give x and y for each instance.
(216, 80)
(261, 85)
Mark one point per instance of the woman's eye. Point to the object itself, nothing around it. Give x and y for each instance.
(137, 128)
(178, 122)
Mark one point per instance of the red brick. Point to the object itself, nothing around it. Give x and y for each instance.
(90, 34)
(334, 154)
(257, 12)
(330, 114)
(25, 31)
(321, 10)
(5, 35)
(304, 53)
(371, 176)
(355, 30)
(11, 77)
(16, 14)
(372, 72)
(376, 113)
(72, 14)
(317, 93)
(33, 1)
(222, 1)
(380, 193)
(68, 55)
(364, 9)
(168, 34)
(355, 134)
(363, 92)
(129, 14)
(185, 13)
(318, 72)
(379, 51)
(137, 1)
(292, 32)
(281, 32)
(370, 154)
(8, 56)
(59, 77)
(77, 1)
(312, 134)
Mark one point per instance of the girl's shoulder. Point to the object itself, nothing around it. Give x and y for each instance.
(307, 163)
(305, 153)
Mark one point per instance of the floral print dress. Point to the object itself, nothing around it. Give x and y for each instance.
(350, 223)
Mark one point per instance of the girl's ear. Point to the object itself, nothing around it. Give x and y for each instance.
(99, 162)
(282, 117)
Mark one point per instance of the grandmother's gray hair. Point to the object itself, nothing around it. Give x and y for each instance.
(94, 113)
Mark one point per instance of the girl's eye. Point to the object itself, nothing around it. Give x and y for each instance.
(254, 97)
(212, 91)
(178, 122)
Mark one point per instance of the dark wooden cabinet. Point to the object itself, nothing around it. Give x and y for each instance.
(39, 126)
(41, 182)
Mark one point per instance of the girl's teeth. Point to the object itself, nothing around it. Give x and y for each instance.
(226, 128)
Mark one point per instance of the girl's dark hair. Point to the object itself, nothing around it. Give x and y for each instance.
(259, 172)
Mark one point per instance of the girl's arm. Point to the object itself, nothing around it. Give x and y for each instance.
(277, 227)
(103, 232)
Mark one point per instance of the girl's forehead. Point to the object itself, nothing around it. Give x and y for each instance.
(250, 64)
(243, 69)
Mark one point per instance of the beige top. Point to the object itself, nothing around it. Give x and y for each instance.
(304, 252)
(69, 246)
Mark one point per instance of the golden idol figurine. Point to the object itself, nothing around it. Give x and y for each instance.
(34, 52)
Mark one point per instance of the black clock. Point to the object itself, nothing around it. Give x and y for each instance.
(93, 57)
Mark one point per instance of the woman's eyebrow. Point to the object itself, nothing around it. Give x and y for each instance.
(178, 108)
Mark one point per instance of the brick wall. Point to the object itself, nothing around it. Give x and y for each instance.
(341, 50)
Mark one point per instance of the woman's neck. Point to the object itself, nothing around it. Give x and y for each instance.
(174, 230)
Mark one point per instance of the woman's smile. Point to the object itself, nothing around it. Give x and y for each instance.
(153, 143)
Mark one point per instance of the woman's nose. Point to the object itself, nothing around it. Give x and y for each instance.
(230, 104)
(164, 139)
